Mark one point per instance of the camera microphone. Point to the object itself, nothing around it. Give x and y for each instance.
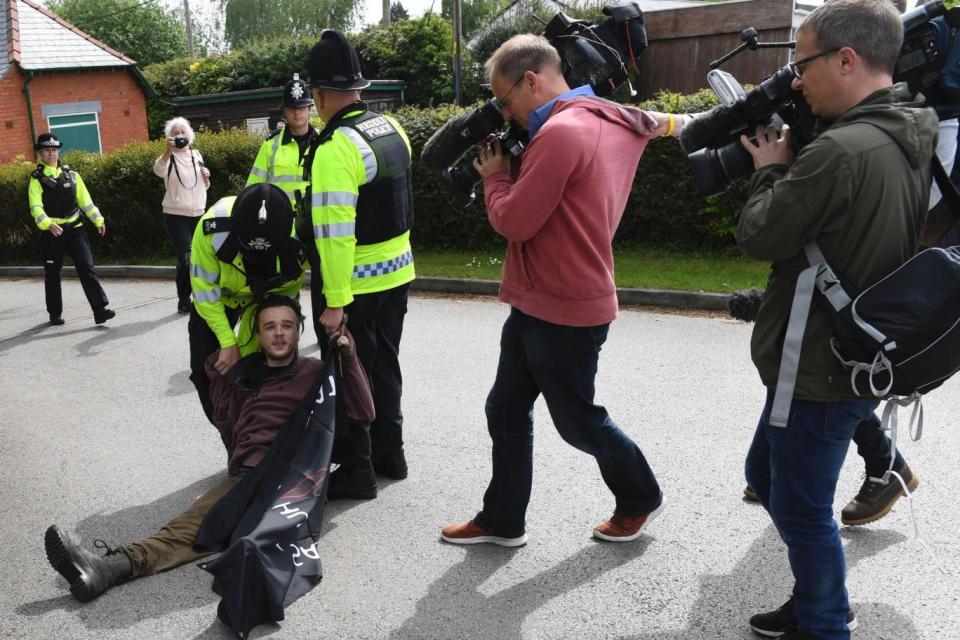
(710, 129)
(444, 146)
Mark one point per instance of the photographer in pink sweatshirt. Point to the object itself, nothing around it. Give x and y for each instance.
(186, 181)
(559, 216)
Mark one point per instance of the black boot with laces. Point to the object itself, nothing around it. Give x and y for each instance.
(89, 575)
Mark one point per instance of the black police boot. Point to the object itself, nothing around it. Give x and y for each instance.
(392, 464)
(89, 575)
(56, 321)
(102, 315)
(357, 483)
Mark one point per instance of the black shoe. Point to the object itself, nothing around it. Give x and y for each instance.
(774, 624)
(391, 465)
(102, 315)
(56, 321)
(88, 575)
(352, 483)
(184, 308)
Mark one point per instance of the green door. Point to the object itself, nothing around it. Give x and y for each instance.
(77, 131)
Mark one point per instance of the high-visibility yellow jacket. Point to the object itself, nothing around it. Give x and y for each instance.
(279, 162)
(217, 284)
(350, 163)
(82, 203)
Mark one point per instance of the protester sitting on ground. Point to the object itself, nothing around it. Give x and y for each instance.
(251, 403)
(185, 180)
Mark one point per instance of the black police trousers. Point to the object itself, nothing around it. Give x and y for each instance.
(203, 342)
(73, 240)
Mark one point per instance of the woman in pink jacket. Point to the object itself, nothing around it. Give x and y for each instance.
(186, 181)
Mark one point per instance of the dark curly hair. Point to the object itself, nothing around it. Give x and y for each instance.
(274, 300)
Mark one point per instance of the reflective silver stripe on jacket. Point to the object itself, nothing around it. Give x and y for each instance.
(197, 271)
(279, 179)
(366, 152)
(88, 208)
(260, 173)
(213, 295)
(383, 268)
(273, 157)
(220, 210)
(335, 230)
(332, 198)
(42, 217)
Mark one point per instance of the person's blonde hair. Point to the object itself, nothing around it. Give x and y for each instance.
(173, 122)
(522, 53)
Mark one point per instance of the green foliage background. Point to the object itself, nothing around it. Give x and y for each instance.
(664, 208)
(148, 33)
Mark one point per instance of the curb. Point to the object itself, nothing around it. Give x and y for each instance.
(465, 286)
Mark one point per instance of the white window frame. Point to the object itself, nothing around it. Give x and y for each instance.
(96, 121)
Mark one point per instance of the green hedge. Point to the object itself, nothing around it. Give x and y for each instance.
(663, 209)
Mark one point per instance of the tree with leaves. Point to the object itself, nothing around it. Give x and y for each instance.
(398, 13)
(473, 14)
(247, 21)
(146, 32)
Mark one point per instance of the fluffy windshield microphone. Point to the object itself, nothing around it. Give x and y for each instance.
(711, 129)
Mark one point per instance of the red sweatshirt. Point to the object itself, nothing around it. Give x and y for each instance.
(560, 214)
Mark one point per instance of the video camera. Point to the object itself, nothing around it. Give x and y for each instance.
(928, 63)
(590, 54)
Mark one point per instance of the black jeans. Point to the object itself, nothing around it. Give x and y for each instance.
(376, 322)
(203, 342)
(73, 240)
(560, 362)
(180, 230)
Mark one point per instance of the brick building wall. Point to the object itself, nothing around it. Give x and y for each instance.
(123, 115)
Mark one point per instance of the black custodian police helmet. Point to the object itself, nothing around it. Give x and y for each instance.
(334, 64)
(296, 93)
(47, 141)
(262, 221)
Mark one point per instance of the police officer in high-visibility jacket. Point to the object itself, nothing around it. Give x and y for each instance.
(280, 159)
(243, 249)
(57, 197)
(361, 209)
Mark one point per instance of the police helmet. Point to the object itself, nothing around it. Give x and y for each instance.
(296, 93)
(47, 141)
(262, 221)
(334, 64)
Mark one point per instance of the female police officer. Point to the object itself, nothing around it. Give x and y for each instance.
(57, 196)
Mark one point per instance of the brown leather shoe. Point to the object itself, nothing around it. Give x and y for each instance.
(472, 533)
(750, 495)
(621, 528)
(876, 499)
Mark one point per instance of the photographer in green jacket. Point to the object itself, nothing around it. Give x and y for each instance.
(860, 190)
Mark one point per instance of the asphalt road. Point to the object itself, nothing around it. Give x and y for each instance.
(102, 434)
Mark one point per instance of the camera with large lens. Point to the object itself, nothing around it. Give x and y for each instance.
(592, 54)
(929, 62)
(180, 142)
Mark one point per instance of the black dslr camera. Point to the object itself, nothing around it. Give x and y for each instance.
(180, 142)
(597, 55)
(928, 63)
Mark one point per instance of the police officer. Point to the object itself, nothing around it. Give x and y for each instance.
(57, 196)
(361, 212)
(280, 159)
(243, 249)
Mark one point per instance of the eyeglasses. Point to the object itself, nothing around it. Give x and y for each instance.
(797, 66)
(502, 102)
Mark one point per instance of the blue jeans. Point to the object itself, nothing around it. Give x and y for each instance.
(794, 470)
(561, 363)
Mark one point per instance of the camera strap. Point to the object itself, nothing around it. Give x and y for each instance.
(173, 167)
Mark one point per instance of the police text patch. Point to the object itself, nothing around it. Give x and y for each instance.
(374, 128)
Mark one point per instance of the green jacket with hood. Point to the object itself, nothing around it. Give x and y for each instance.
(861, 190)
